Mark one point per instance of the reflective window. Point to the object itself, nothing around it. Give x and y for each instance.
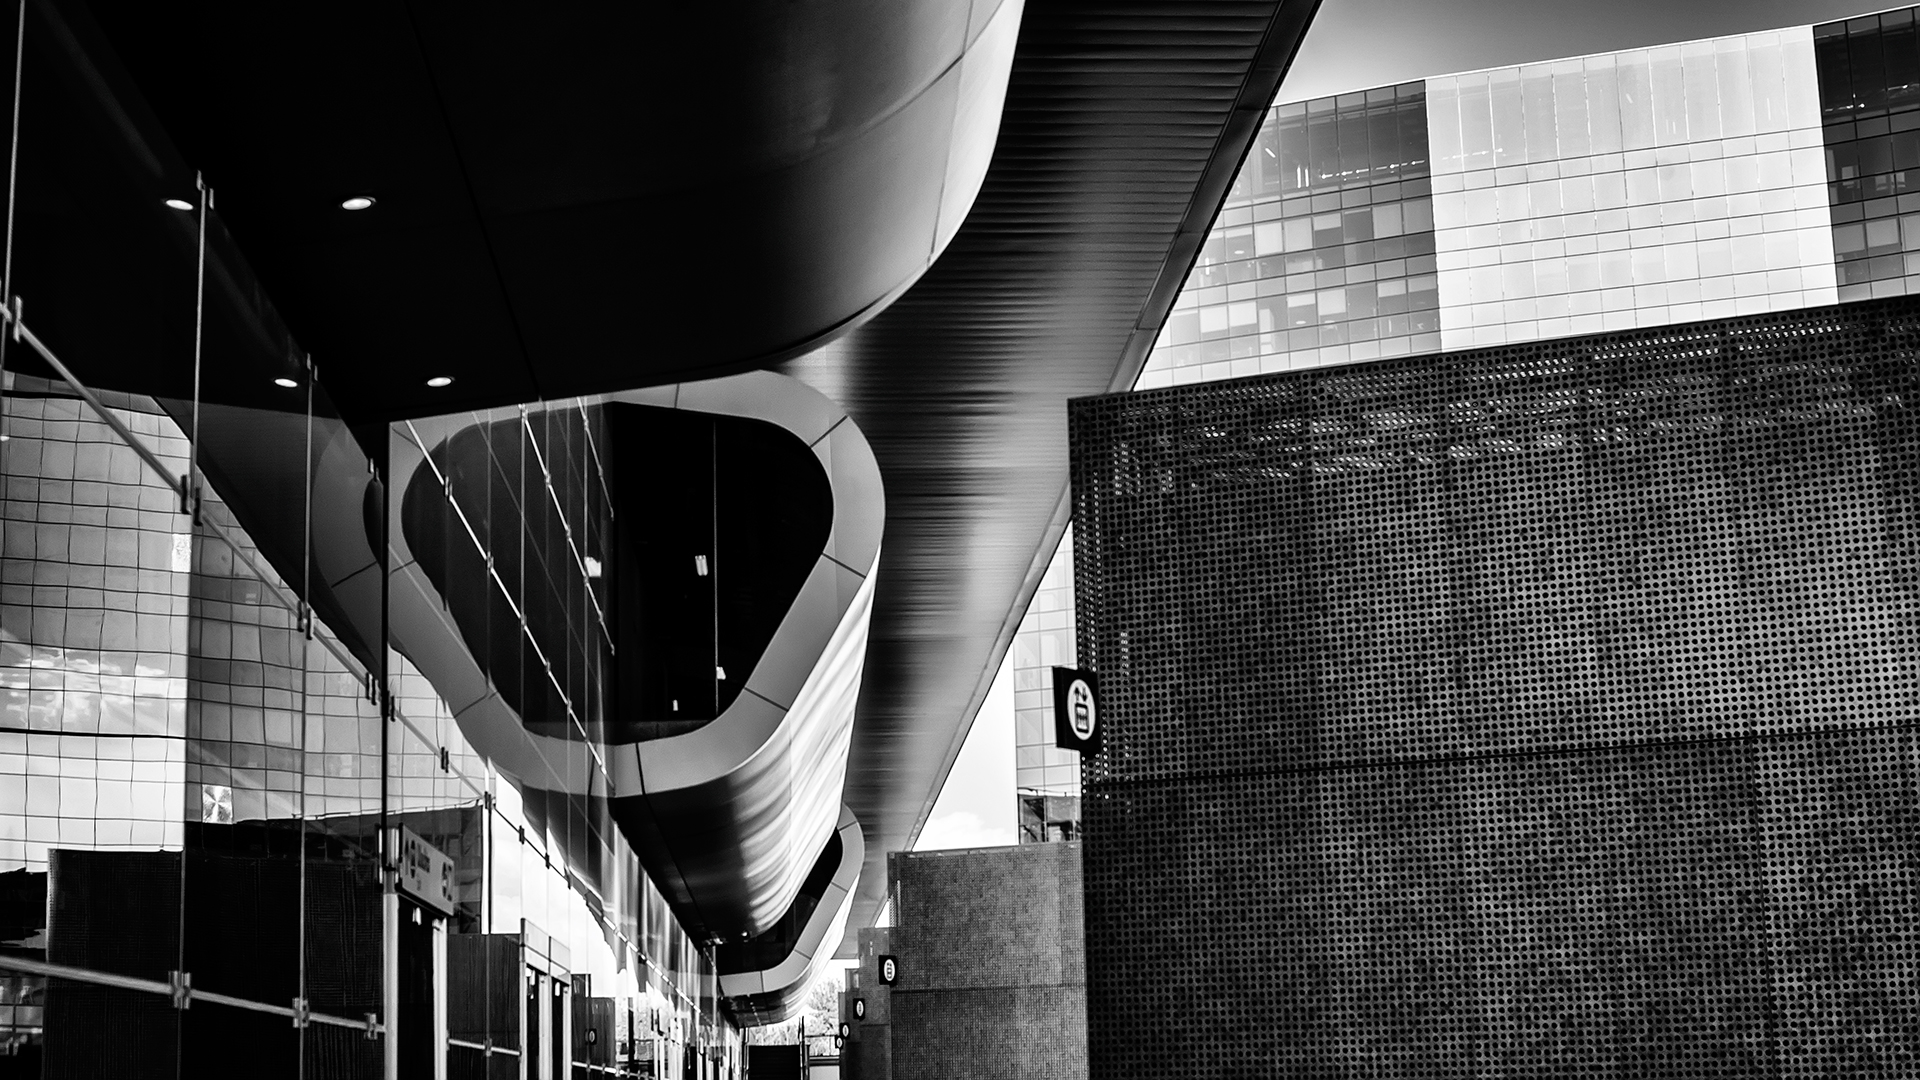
(229, 776)
(1657, 162)
(1047, 779)
(1870, 103)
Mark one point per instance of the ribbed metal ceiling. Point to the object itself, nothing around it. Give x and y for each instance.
(1125, 125)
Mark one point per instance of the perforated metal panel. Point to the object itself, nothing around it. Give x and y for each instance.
(1539, 710)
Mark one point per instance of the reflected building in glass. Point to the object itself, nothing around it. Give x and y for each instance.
(1046, 778)
(315, 756)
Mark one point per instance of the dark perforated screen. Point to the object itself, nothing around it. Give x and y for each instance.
(1539, 710)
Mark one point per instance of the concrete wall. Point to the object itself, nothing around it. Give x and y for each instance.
(991, 973)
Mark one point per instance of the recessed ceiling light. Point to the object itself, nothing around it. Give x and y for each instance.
(179, 204)
(358, 202)
(286, 382)
(439, 381)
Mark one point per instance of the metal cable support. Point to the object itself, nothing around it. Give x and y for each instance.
(179, 987)
(13, 170)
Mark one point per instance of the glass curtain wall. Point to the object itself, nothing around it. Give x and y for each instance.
(1323, 252)
(241, 831)
(1639, 188)
(1046, 778)
(1870, 111)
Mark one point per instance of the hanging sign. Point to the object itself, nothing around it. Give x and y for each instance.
(426, 873)
(889, 970)
(1076, 710)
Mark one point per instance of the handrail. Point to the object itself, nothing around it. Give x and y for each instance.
(21, 333)
(182, 992)
(485, 1048)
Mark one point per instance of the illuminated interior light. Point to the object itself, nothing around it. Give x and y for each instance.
(179, 204)
(439, 381)
(286, 382)
(358, 202)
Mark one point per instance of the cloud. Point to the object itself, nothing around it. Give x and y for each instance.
(961, 829)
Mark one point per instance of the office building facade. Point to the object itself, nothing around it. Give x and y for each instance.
(1536, 706)
(1730, 176)
(1046, 778)
(988, 974)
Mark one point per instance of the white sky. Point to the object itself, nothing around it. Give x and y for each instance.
(1360, 44)
(976, 808)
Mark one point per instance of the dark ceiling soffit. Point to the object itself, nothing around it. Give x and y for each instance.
(497, 398)
(1270, 65)
(772, 360)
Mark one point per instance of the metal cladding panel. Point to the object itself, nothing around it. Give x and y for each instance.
(728, 817)
(773, 995)
(1123, 127)
(1543, 709)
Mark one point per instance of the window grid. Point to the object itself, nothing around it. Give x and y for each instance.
(1640, 188)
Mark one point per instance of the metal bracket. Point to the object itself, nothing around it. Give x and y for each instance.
(190, 497)
(301, 1011)
(181, 984)
(373, 1026)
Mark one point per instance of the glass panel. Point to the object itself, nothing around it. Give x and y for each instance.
(1836, 79)
(1603, 104)
(1866, 64)
(1669, 96)
(1538, 107)
(1509, 121)
(1701, 82)
(96, 562)
(1901, 46)
(1355, 136)
(1765, 66)
(1292, 141)
(1570, 110)
(1735, 87)
(1476, 121)
(1443, 123)
(1634, 76)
